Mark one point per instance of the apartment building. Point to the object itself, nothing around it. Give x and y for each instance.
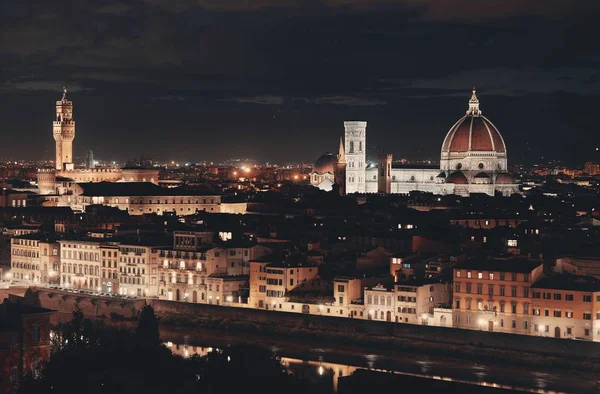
(224, 288)
(109, 281)
(566, 306)
(380, 302)
(495, 294)
(138, 268)
(185, 268)
(281, 277)
(417, 299)
(258, 282)
(80, 263)
(24, 343)
(410, 301)
(347, 289)
(348, 295)
(34, 258)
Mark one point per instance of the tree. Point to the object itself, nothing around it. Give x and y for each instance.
(147, 333)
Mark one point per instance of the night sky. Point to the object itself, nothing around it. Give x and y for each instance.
(193, 80)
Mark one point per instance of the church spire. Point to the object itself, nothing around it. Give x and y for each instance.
(64, 97)
(474, 105)
(341, 154)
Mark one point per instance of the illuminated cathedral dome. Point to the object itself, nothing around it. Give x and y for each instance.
(325, 164)
(473, 143)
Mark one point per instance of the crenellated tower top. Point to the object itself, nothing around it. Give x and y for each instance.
(64, 132)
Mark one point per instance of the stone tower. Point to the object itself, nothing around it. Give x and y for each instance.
(89, 159)
(64, 133)
(340, 169)
(384, 176)
(355, 147)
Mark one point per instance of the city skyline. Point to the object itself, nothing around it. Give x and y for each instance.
(217, 81)
(310, 196)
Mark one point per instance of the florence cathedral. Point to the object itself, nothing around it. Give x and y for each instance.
(473, 159)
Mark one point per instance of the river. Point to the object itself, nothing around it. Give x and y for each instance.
(311, 360)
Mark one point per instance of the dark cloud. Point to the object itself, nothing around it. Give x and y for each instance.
(205, 70)
(347, 100)
(261, 100)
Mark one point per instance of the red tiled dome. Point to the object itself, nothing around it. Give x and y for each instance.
(458, 178)
(473, 132)
(505, 179)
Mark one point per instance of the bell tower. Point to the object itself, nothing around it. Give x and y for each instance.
(355, 150)
(64, 133)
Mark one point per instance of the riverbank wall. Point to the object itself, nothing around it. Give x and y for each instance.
(271, 320)
(235, 318)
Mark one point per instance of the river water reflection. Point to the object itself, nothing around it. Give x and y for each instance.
(321, 366)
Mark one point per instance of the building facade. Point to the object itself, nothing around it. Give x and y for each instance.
(566, 306)
(197, 270)
(380, 303)
(110, 267)
(24, 343)
(495, 295)
(417, 300)
(34, 259)
(280, 278)
(138, 270)
(81, 264)
(138, 198)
